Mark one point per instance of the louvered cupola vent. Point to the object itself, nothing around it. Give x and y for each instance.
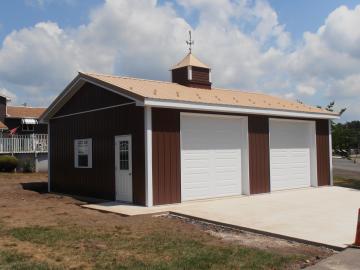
(191, 72)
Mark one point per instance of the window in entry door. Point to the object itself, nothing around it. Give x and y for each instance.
(124, 155)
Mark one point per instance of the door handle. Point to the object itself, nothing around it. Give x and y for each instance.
(130, 173)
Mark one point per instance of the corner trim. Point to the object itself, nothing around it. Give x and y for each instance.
(148, 156)
(49, 159)
(330, 155)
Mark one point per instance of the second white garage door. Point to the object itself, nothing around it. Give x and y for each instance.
(292, 154)
(211, 149)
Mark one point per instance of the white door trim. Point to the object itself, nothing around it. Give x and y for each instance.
(117, 169)
(313, 149)
(245, 181)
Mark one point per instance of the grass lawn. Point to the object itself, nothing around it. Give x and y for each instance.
(348, 182)
(124, 250)
(47, 231)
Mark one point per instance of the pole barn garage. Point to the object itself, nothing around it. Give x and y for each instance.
(153, 142)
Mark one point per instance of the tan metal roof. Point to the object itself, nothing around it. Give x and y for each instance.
(24, 112)
(2, 125)
(160, 90)
(190, 60)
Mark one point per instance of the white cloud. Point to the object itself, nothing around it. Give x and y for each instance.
(8, 94)
(137, 38)
(341, 31)
(306, 90)
(38, 61)
(268, 26)
(330, 60)
(243, 41)
(289, 95)
(349, 87)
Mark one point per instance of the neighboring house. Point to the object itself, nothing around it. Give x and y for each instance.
(153, 142)
(22, 118)
(22, 135)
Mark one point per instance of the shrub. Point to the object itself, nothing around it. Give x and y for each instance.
(8, 163)
(28, 166)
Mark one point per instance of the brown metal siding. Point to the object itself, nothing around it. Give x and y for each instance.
(200, 77)
(102, 126)
(323, 155)
(91, 97)
(259, 157)
(166, 156)
(180, 76)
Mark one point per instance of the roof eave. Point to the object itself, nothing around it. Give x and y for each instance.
(175, 104)
(44, 118)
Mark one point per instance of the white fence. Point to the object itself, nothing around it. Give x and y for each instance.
(34, 143)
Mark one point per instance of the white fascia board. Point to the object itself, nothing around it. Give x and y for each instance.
(233, 109)
(53, 106)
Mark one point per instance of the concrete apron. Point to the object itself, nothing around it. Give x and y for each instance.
(318, 216)
(349, 259)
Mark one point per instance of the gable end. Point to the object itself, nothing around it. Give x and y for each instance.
(91, 97)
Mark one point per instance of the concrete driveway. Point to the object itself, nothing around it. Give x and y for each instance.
(326, 215)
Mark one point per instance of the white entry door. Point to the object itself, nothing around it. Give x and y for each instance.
(123, 168)
(211, 149)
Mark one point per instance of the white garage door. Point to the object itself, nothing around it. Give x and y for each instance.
(210, 156)
(292, 154)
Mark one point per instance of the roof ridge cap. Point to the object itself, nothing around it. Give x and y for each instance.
(128, 77)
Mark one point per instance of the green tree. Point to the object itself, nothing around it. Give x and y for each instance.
(344, 136)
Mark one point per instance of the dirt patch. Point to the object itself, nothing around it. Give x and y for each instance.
(259, 241)
(56, 230)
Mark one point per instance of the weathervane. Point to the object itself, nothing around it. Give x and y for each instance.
(190, 42)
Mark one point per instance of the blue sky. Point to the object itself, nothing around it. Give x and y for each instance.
(298, 16)
(306, 15)
(17, 14)
(306, 50)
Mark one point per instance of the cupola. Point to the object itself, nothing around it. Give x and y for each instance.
(191, 72)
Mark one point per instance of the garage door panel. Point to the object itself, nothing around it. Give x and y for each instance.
(197, 164)
(198, 184)
(290, 154)
(211, 150)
